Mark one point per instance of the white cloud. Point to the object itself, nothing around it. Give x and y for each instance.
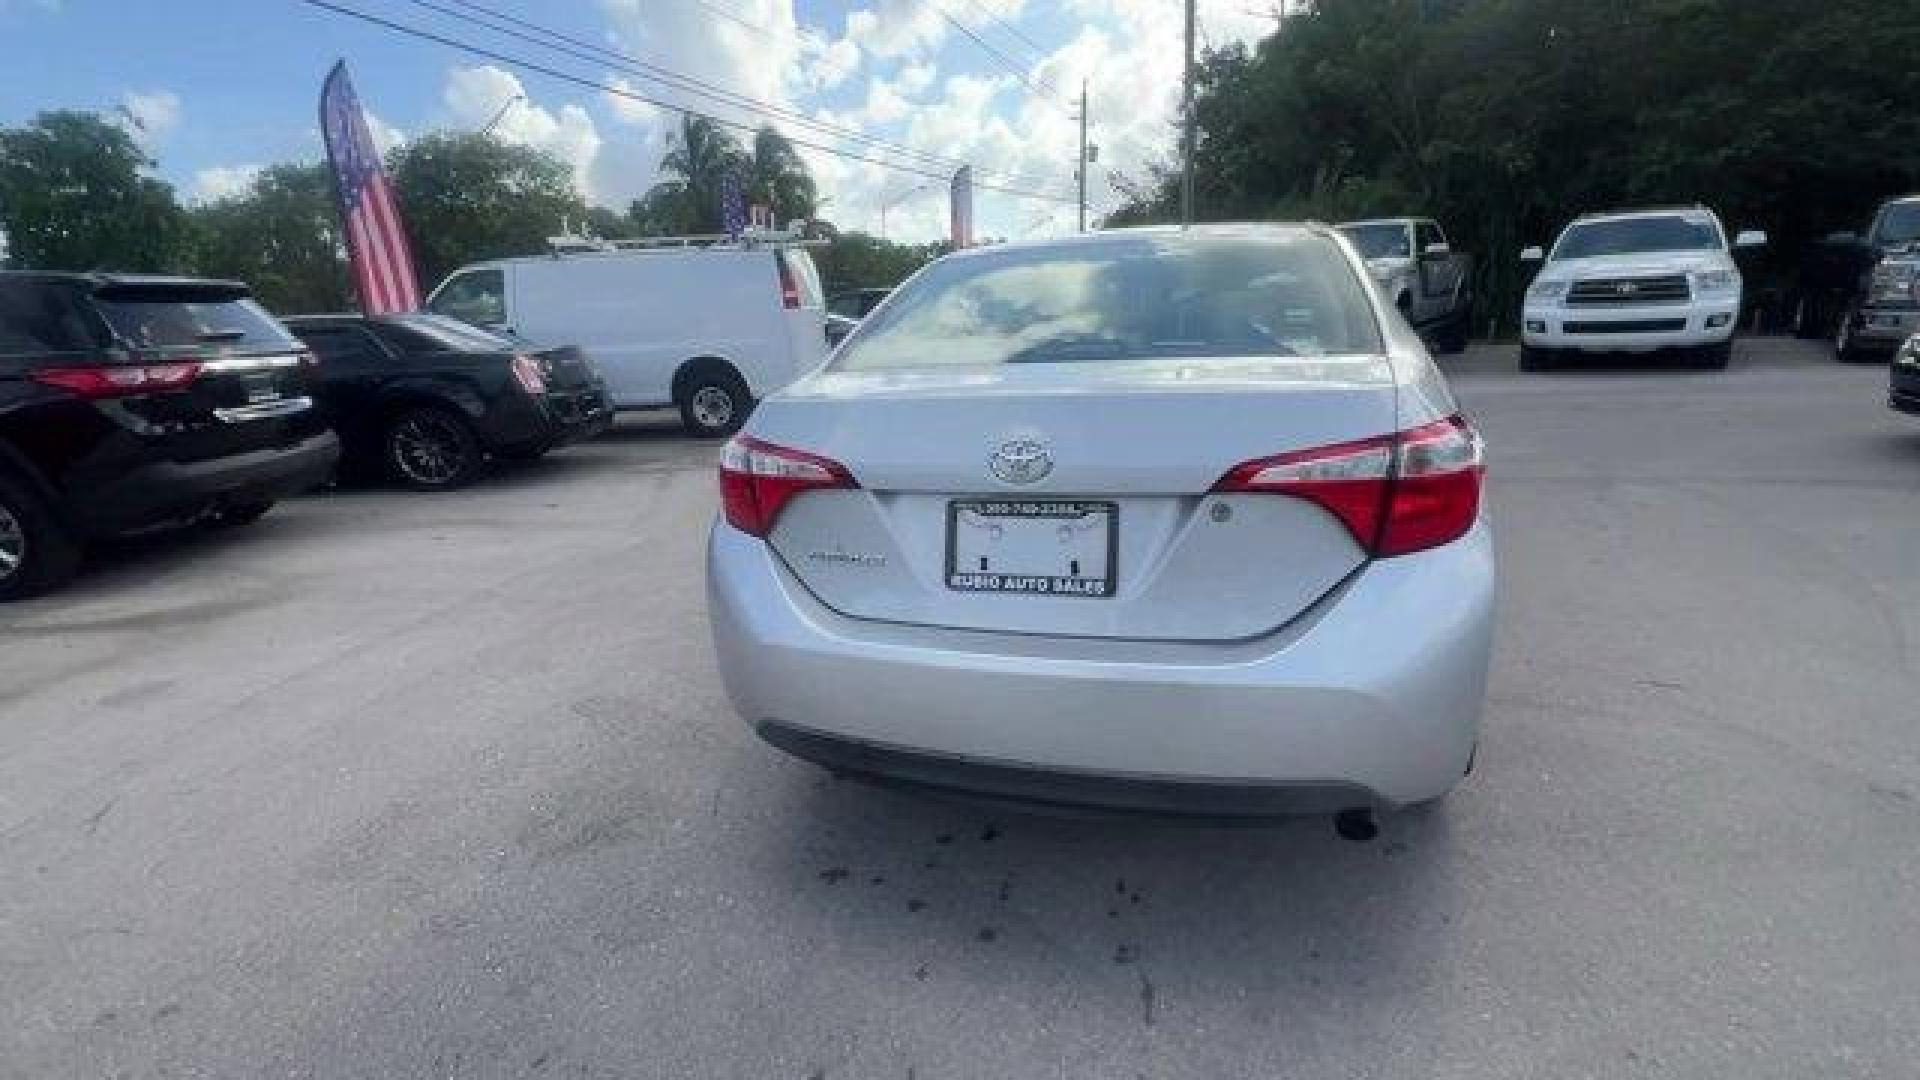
(222, 182)
(474, 96)
(151, 115)
(894, 28)
(385, 135)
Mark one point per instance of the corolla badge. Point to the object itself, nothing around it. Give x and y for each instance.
(1023, 460)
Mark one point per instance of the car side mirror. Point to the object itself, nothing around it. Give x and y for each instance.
(1437, 251)
(1751, 238)
(1532, 254)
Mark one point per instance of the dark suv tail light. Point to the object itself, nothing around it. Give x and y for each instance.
(758, 479)
(106, 381)
(1396, 494)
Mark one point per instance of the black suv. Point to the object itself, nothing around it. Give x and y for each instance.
(424, 398)
(128, 402)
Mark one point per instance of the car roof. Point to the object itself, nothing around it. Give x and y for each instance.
(1647, 211)
(95, 280)
(1104, 237)
(1407, 220)
(329, 317)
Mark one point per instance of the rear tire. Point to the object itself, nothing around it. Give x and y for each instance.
(1535, 359)
(1713, 357)
(522, 453)
(37, 554)
(430, 448)
(1844, 350)
(714, 403)
(1452, 338)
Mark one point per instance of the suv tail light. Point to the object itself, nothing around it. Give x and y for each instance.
(1396, 494)
(789, 286)
(119, 380)
(526, 372)
(758, 479)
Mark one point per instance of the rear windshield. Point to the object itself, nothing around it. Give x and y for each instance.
(1898, 224)
(1118, 299)
(1382, 240)
(160, 324)
(1627, 236)
(426, 330)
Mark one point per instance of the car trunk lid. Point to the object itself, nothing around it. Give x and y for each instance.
(974, 482)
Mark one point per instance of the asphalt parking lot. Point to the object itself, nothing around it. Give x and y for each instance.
(413, 785)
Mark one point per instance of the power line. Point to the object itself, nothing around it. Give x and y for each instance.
(579, 80)
(1039, 51)
(696, 86)
(805, 33)
(656, 73)
(1019, 72)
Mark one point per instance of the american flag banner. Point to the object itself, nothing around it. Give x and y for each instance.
(733, 204)
(381, 261)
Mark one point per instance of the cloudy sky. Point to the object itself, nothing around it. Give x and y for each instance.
(217, 89)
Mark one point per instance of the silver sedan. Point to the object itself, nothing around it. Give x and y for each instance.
(1179, 522)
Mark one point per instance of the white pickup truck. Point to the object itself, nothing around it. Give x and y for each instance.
(1637, 281)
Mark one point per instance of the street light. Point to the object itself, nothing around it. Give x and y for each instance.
(894, 201)
(501, 114)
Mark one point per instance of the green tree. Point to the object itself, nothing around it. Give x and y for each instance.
(468, 197)
(282, 236)
(780, 179)
(76, 194)
(698, 157)
(855, 260)
(1504, 118)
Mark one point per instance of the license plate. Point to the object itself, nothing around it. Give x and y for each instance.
(262, 387)
(1038, 547)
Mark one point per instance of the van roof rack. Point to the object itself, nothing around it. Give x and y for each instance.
(797, 236)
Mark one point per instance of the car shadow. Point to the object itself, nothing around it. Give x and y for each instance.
(1160, 917)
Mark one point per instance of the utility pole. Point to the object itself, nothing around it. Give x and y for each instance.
(1083, 155)
(1186, 116)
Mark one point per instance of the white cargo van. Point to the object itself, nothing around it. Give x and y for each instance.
(708, 329)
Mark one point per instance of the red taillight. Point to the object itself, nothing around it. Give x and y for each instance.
(789, 286)
(758, 479)
(526, 371)
(119, 380)
(1396, 493)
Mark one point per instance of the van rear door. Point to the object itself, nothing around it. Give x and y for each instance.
(804, 311)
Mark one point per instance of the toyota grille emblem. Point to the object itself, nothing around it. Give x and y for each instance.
(1021, 461)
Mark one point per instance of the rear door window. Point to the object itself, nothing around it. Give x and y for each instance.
(476, 296)
(40, 317)
(343, 346)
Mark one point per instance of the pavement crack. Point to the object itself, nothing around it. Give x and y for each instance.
(92, 824)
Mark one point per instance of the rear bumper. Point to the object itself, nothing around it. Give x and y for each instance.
(1629, 329)
(555, 419)
(164, 491)
(1879, 330)
(1354, 703)
(1903, 388)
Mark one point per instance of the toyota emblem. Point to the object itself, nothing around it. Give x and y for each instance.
(1021, 461)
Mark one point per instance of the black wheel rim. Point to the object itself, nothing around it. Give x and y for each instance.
(428, 449)
(13, 543)
(712, 407)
